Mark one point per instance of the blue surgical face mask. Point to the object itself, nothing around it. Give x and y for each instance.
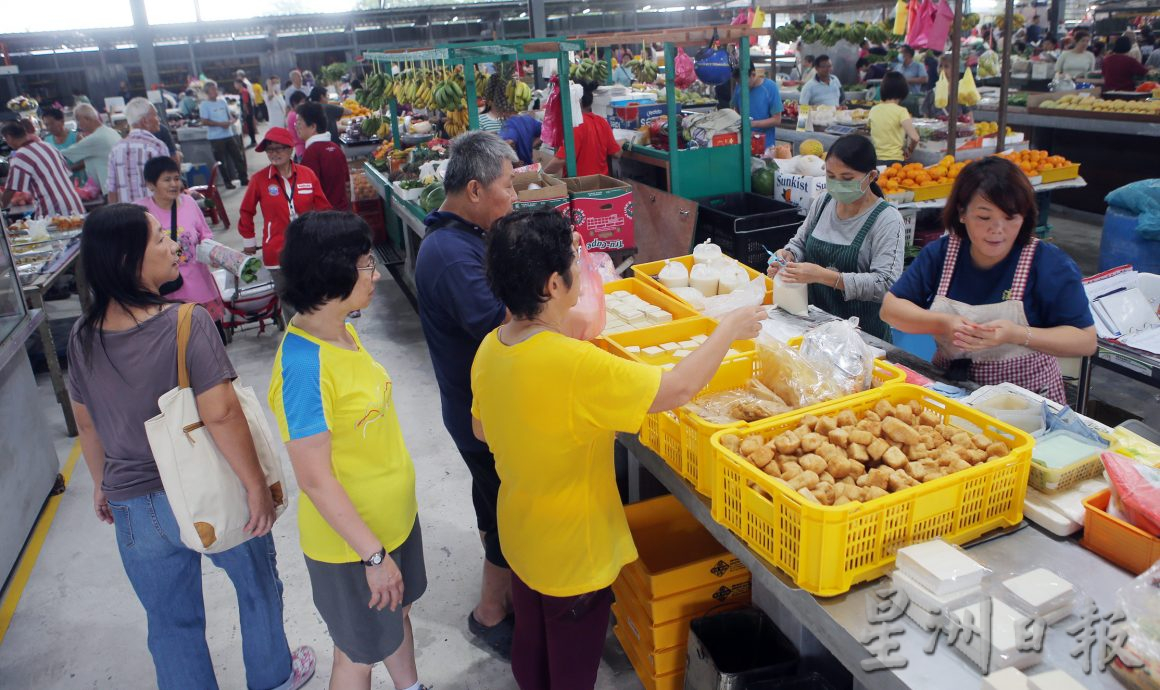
(846, 191)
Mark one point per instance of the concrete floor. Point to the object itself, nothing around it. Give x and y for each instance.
(79, 625)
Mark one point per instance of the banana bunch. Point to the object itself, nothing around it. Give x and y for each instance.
(481, 81)
(644, 71)
(519, 95)
(456, 122)
(589, 70)
(374, 94)
(448, 95)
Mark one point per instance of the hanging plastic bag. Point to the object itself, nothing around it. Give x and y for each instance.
(968, 93)
(758, 19)
(714, 66)
(900, 14)
(585, 321)
(552, 132)
(942, 91)
(686, 70)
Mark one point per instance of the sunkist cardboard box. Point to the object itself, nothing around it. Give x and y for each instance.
(799, 190)
(602, 211)
(552, 192)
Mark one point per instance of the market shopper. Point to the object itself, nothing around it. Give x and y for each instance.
(522, 132)
(358, 517)
(55, 132)
(913, 70)
(1121, 69)
(296, 100)
(127, 158)
(39, 170)
(549, 405)
(182, 219)
(216, 116)
(122, 357)
(188, 105)
(892, 128)
(275, 103)
(457, 309)
(249, 114)
(764, 104)
(294, 86)
(593, 141)
(824, 88)
(92, 151)
(334, 112)
(851, 246)
(1001, 304)
(1079, 61)
(323, 156)
(283, 191)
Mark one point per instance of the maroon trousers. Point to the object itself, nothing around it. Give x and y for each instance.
(558, 640)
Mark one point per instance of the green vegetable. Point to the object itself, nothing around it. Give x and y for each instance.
(432, 197)
(764, 179)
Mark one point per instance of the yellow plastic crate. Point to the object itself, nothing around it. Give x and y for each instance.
(673, 332)
(648, 273)
(696, 448)
(1067, 172)
(678, 308)
(639, 659)
(938, 191)
(827, 549)
(690, 603)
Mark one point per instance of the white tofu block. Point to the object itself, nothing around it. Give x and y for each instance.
(925, 619)
(681, 354)
(622, 294)
(629, 315)
(689, 344)
(668, 367)
(669, 347)
(652, 307)
(731, 353)
(931, 601)
(653, 351)
(1040, 591)
(940, 567)
(1008, 628)
(661, 317)
(632, 349)
(700, 338)
(1054, 680)
(1006, 679)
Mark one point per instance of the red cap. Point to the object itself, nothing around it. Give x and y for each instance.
(276, 135)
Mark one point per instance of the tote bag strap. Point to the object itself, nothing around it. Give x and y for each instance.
(184, 325)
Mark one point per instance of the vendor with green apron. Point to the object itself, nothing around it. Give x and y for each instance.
(851, 246)
(1000, 304)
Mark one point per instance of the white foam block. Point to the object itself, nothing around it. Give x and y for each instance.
(681, 354)
(1054, 680)
(688, 344)
(700, 338)
(653, 351)
(660, 317)
(669, 347)
(1005, 679)
(940, 567)
(1040, 590)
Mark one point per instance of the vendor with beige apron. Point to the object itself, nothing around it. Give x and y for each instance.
(1001, 304)
(850, 248)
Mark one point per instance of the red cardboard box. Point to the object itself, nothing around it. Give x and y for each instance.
(602, 211)
(552, 194)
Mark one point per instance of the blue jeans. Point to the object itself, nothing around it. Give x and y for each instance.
(166, 575)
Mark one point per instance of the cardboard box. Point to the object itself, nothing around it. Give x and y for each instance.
(602, 211)
(635, 113)
(552, 194)
(799, 190)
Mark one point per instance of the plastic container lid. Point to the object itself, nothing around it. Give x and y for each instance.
(1061, 448)
(939, 567)
(1040, 591)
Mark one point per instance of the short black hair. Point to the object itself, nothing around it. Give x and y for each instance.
(862, 62)
(907, 50)
(820, 59)
(319, 94)
(524, 249)
(320, 258)
(14, 130)
(894, 86)
(296, 98)
(189, 92)
(1122, 45)
(1003, 184)
(158, 166)
(54, 113)
(313, 114)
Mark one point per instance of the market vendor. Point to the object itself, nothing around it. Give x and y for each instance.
(549, 405)
(593, 140)
(1001, 304)
(1121, 69)
(824, 88)
(764, 105)
(1079, 61)
(851, 246)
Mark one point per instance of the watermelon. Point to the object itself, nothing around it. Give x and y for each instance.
(764, 179)
(432, 197)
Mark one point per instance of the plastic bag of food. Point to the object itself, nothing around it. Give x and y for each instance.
(942, 91)
(1135, 491)
(1139, 600)
(789, 375)
(585, 321)
(792, 297)
(753, 403)
(552, 132)
(751, 295)
(968, 92)
(837, 346)
(686, 70)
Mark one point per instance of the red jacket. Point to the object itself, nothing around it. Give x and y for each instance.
(328, 162)
(267, 190)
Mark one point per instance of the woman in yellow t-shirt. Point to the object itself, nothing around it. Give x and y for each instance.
(891, 126)
(549, 405)
(357, 515)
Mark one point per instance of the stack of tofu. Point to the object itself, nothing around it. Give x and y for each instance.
(625, 311)
(678, 350)
(937, 579)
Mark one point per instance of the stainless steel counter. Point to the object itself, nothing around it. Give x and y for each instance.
(837, 623)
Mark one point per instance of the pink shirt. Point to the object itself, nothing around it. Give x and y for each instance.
(199, 285)
(299, 145)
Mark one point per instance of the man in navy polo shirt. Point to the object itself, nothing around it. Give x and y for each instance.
(457, 309)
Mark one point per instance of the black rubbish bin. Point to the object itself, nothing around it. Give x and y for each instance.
(744, 224)
(733, 649)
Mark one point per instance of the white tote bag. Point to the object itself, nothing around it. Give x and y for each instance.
(207, 497)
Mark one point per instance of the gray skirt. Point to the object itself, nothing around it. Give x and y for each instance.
(341, 595)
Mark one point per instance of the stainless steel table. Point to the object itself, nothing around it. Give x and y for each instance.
(836, 623)
(1135, 364)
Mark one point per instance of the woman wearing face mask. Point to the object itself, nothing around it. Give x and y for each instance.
(1000, 304)
(850, 248)
(183, 221)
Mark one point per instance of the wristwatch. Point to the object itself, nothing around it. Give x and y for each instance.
(376, 558)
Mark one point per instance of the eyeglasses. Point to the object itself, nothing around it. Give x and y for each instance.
(373, 267)
(276, 149)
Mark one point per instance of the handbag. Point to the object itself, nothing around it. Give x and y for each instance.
(207, 497)
(173, 285)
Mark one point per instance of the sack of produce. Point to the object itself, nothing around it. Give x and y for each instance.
(702, 127)
(968, 93)
(989, 64)
(1143, 199)
(585, 321)
(942, 91)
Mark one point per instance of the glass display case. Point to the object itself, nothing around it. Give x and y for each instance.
(12, 307)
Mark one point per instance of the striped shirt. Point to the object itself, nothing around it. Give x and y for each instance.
(127, 164)
(487, 123)
(40, 170)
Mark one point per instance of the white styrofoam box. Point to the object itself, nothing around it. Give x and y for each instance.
(1005, 679)
(1054, 680)
(1007, 630)
(929, 600)
(940, 567)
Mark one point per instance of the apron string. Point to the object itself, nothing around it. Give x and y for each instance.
(1023, 270)
(948, 269)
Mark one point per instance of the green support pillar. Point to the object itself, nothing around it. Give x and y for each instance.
(743, 103)
(472, 96)
(394, 109)
(566, 110)
(673, 114)
(610, 67)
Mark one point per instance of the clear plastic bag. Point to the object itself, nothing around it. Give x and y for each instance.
(1140, 602)
(585, 321)
(790, 376)
(837, 346)
(1135, 491)
(749, 296)
(753, 403)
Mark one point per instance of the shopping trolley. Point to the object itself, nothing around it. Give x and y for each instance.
(252, 303)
